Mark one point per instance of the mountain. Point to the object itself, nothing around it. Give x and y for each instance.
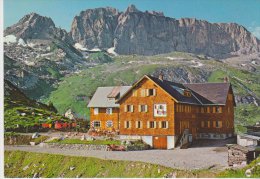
(33, 26)
(37, 54)
(151, 33)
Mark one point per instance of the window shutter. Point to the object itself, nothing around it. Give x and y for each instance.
(154, 92)
(146, 108)
(132, 108)
(139, 108)
(214, 124)
(167, 125)
(160, 124)
(125, 123)
(147, 92)
(220, 124)
(125, 108)
(141, 124)
(130, 124)
(148, 124)
(136, 124)
(155, 124)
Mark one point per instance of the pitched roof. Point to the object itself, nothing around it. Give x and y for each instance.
(103, 96)
(201, 93)
(215, 93)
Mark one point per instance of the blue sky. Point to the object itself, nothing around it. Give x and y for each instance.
(244, 12)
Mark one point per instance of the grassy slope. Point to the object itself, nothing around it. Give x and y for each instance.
(49, 165)
(16, 103)
(240, 173)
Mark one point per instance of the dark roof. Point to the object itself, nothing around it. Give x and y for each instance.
(175, 90)
(201, 93)
(215, 93)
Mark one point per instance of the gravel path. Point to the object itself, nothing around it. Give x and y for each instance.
(191, 158)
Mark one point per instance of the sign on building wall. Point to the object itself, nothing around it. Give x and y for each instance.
(160, 110)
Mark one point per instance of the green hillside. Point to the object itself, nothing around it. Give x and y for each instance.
(22, 113)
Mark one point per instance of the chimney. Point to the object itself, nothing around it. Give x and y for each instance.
(161, 76)
(225, 79)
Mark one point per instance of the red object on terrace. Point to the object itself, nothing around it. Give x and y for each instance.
(58, 125)
(73, 124)
(45, 125)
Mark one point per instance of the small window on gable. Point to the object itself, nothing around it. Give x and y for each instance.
(150, 92)
(135, 92)
(96, 111)
(109, 111)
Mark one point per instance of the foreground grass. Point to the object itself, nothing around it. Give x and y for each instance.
(78, 141)
(50, 165)
(240, 173)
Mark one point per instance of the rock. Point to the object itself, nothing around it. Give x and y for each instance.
(35, 135)
(170, 175)
(248, 173)
(26, 167)
(72, 168)
(150, 33)
(35, 175)
(83, 137)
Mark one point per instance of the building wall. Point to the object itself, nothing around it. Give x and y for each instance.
(103, 117)
(192, 116)
(134, 98)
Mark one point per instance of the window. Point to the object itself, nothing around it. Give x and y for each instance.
(160, 110)
(187, 93)
(151, 124)
(228, 109)
(96, 124)
(127, 124)
(95, 111)
(109, 123)
(138, 124)
(214, 109)
(219, 109)
(129, 108)
(143, 91)
(109, 110)
(208, 124)
(164, 124)
(143, 108)
(134, 92)
(218, 124)
(150, 92)
(202, 124)
(208, 109)
(202, 109)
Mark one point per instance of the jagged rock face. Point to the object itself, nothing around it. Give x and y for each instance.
(150, 33)
(95, 27)
(34, 26)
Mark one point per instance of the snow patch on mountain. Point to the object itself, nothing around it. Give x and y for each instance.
(10, 39)
(80, 47)
(112, 51)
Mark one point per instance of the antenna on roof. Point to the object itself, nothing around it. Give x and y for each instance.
(161, 76)
(226, 79)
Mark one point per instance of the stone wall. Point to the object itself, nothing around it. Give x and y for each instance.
(75, 146)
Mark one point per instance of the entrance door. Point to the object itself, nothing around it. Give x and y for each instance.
(160, 142)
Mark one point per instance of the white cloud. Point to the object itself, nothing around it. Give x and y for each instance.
(254, 28)
(256, 32)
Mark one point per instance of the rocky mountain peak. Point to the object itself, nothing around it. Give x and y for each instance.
(131, 8)
(36, 27)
